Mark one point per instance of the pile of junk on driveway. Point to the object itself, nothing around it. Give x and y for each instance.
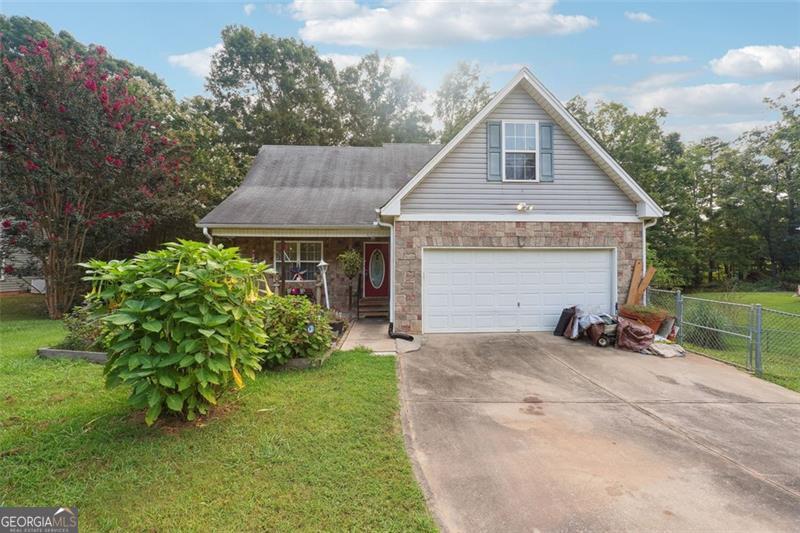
(638, 328)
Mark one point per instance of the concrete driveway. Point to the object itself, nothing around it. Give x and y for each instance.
(525, 432)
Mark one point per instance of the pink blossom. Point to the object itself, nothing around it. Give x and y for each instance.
(6, 224)
(90, 84)
(31, 166)
(62, 108)
(8, 269)
(115, 161)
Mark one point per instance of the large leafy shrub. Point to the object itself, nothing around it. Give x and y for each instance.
(295, 328)
(183, 324)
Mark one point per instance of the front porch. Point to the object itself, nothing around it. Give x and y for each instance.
(299, 272)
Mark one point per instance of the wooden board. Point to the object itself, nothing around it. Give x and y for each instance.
(636, 278)
(651, 271)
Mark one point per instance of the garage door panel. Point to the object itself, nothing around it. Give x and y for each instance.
(511, 290)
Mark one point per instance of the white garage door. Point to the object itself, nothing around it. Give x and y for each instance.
(466, 290)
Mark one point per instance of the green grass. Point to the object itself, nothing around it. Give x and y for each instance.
(782, 301)
(298, 450)
(781, 334)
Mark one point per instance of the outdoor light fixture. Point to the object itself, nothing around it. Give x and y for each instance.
(323, 269)
(522, 207)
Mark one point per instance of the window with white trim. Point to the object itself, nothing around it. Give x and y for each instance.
(301, 258)
(520, 151)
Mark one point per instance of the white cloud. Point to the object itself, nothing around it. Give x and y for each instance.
(711, 99)
(197, 62)
(624, 59)
(414, 24)
(342, 61)
(758, 61)
(698, 110)
(248, 9)
(400, 65)
(663, 60)
(724, 130)
(639, 16)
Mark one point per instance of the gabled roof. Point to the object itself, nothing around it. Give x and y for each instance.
(646, 207)
(319, 186)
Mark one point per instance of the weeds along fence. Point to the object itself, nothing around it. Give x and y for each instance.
(765, 341)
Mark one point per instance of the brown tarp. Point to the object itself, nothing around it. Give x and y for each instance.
(633, 336)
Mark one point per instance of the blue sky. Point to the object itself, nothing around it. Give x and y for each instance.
(708, 63)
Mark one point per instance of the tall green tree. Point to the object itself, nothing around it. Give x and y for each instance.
(657, 161)
(462, 94)
(772, 186)
(210, 171)
(269, 90)
(378, 107)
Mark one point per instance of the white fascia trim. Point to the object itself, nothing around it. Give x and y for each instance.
(392, 207)
(524, 217)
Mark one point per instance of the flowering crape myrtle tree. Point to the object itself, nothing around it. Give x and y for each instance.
(85, 167)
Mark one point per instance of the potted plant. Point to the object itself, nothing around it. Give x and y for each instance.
(350, 263)
(649, 315)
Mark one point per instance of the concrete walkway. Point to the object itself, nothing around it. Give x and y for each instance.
(370, 333)
(526, 432)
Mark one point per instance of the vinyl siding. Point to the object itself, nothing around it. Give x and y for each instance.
(458, 183)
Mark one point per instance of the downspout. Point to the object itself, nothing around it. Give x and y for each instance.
(645, 225)
(208, 235)
(393, 334)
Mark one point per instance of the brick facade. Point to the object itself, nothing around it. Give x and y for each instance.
(411, 237)
(262, 249)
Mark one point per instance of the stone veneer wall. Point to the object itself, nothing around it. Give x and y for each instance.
(262, 249)
(411, 237)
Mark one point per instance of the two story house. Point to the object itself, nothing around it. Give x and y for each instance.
(520, 215)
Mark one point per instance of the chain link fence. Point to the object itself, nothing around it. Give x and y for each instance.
(766, 341)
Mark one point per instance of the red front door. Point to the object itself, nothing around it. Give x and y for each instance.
(376, 269)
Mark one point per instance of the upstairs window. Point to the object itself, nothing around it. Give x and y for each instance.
(520, 151)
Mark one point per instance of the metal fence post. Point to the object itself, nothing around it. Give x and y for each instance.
(756, 334)
(679, 314)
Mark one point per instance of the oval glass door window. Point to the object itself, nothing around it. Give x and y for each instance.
(377, 269)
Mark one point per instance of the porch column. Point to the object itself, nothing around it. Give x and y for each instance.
(283, 268)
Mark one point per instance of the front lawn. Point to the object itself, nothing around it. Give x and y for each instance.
(301, 450)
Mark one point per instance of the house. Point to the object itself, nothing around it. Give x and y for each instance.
(520, 215)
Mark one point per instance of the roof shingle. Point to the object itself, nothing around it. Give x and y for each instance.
(316, 186)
